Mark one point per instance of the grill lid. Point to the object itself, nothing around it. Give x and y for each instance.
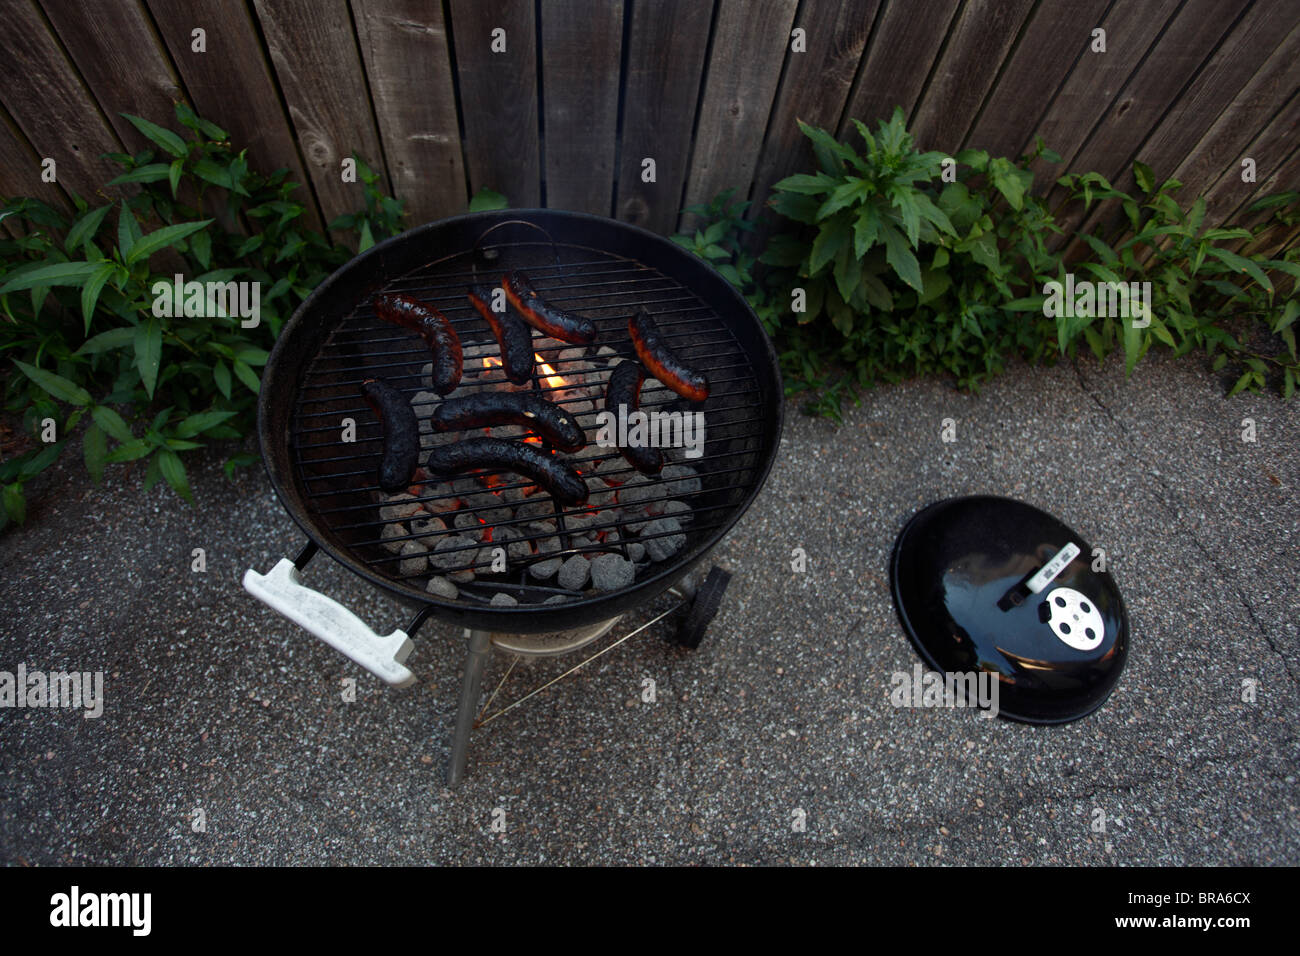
(992, 584)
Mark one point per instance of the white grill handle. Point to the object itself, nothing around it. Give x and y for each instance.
(282, 590)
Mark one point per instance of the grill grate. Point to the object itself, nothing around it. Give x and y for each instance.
(338, 477)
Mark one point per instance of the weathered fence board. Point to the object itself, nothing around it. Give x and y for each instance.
(815, 86)
(498, 96)
(404, 49)
(314, 49)
(977, 44)
(744, 68)
(229, 81)
(665, 63)
(562, 102)
(583, 42)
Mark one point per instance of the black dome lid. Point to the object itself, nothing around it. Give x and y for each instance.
(968, 577)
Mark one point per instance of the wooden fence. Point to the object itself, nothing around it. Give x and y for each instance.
(561, 102)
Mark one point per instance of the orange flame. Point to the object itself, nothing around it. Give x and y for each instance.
(551, 378)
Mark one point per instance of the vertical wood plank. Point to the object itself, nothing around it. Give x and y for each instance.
(498, 97)
(665, 63)
(20, 174)
(979, 40)
(815, 87)
(1276, 166)
(1095, 80)
(906, 40)
(404, 49)
(749, 46)
(314, 50)
(52, 107)
(230, 83)
(1056, 36)
(122, 61)
(582, 45)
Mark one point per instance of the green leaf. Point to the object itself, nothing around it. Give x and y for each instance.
(148, 352)
(809, 185)
(221, 376)
(112, 423)
(56, 385)
(367, 239)
(15, 503)
(143, 174)
(90, 291)
(247, 376)
(129, 451)
(95, 450)
(159, 238)
(1106, 252)
(169, 463)
(209, 171)
(60, 273)
(487, 199)
(866, 230)
(1132, 346)
(828, 243)
(198, 423)
(85, 228)
(112, 339)
(1241, 383)
(201, 246)
(1146, 180)
(128, 230)
(900, 256)
(1241, 264)
(1289, 313)
(155, 133)
(174, 175)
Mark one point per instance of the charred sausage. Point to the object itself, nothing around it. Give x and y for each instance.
(485, 409)
(624, 389)
(662, 363)
(401, 434)
(433, 327)
(513, 337)
(544, 317)
(564, 484)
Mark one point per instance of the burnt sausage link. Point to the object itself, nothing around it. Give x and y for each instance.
(662, 363)
(485, 409)
(512, 335)
(624, 389)
(433, 327)
(564, 484)
(544, 317)
(401, 434)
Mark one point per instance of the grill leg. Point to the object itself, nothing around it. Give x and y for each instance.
(480, 649)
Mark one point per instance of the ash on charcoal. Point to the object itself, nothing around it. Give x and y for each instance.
(634, 492)
(545, 526)
(548, 545)
(468, 525)
(446, 557)
(660, 549)
(506, 432)
(415, 559)
(442, 588)
(609, 572)
(443, 498)
(636, 550)
(501, 599)
(493, 511)
(605, 352)
(509, 538)
(599, 494)
(427, 526)
(573, 573)
(664, 509)
(535, 509)
(515, 495)
(615, 467)
(399, 507)
(395, 530)
(423, 403)
(680, 480)
(545, 570)
(556, 599)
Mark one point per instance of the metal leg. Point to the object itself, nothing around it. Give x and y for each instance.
(480, 649)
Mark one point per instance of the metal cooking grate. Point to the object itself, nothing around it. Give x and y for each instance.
(339, 478)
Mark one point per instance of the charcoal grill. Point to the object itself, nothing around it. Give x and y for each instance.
(326, 478)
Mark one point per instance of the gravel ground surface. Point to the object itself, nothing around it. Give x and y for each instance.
(782, 717)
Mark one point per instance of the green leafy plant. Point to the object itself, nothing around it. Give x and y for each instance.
(894, 262)
(80, 330)
(1205, 295)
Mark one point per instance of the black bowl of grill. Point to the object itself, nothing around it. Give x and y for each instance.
(588, 265)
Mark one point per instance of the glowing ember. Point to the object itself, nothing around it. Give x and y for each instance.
(550, 377)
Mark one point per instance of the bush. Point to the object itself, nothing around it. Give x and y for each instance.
(895, 262)
(79, 324)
